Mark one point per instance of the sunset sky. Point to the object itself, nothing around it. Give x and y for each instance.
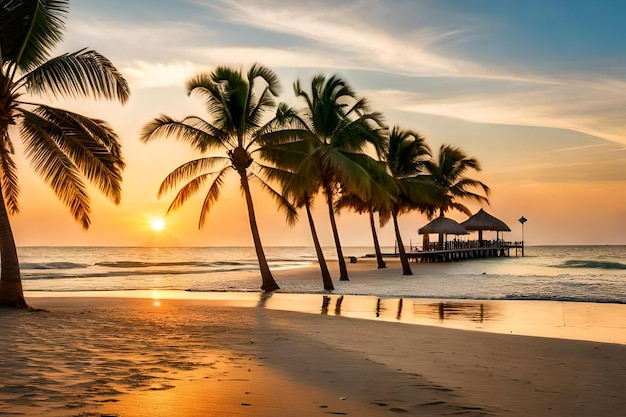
(534, 89)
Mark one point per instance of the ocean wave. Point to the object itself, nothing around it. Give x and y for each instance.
(188, 268)
(567, 298)
(574, 263)
(142, 264)
(52, 265)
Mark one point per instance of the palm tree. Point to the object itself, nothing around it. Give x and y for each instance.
(405, 156)
(66, 149)
(305, 199)
(297, 174)
(448, 170)
(236, 128)
(340, 127)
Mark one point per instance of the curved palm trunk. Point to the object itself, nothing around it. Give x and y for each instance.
(343, 270)
(266, 275)
(406, 268)
(328, 282)
(11, 293)
(379, 255)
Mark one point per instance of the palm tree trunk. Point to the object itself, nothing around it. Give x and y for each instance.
(406, 268)
(268, 283)
(379, 255)
(343, 270)
(328, 282)
(11, 293)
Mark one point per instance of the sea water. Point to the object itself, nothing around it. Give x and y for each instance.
(566, 273)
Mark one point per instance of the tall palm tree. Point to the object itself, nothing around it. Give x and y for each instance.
(448, 170)
(294, 171)
(236, 128)
(405, 155)
(340, 127)
(66, 149)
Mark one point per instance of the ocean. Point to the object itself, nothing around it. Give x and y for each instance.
(563, 273)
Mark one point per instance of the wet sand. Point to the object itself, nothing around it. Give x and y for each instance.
(185, 354)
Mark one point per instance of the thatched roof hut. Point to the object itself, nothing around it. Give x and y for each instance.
(485, 221)
(443, 225)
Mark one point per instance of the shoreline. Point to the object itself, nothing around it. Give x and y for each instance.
(132, 357)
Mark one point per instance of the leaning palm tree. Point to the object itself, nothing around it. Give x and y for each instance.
(236, 127)
(66, 149)
(405, 155)
(303, 194)
(448, 170)
(297, 174)
(340, 127)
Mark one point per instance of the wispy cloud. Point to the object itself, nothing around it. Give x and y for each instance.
(584, 105)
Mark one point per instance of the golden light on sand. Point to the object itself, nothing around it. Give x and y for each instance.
(157, 224)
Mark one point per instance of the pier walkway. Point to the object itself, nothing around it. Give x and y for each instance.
(457, 251)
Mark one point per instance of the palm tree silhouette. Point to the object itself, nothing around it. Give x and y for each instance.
(339, 128)
(447, 170)
(66, 149)
(405, 155)
(236, 129)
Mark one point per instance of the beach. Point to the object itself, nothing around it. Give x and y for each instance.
(228, 354)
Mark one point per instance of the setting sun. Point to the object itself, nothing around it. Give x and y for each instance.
(157, 224)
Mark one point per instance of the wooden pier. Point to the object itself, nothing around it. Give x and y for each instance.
(458, 251)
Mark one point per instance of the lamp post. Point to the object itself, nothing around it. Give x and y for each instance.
(522, 220)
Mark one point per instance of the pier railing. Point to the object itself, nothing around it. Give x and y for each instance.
(468, 244)
(457, 250)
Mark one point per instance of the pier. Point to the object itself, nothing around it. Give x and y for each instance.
(457, 251)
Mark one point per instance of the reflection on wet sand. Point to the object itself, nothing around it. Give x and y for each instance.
(567, 320)
(473, 311)
(476, 312)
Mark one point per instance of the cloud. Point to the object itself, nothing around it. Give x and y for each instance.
(592, 105)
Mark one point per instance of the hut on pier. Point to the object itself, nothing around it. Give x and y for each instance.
(443, 226)
(485, 221)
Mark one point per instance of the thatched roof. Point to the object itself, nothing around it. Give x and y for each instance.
(485, 221)
(443, 225)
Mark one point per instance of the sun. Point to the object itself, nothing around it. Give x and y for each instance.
(157, 224)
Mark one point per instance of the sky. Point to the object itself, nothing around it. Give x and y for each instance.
(534, 89)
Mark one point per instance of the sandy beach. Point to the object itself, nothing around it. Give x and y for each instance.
(245, 355)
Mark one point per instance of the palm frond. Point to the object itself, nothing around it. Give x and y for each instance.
(30, 30)
(352, 202)
(288, 155)
(216, 95)
(91, 145)
(165, 126)
(187, 191)
(268, 75)
(54, 166)
(9, 181)
(283, 203)
(85, 73)
(212, 196)
(460, 207)
(189, 170)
